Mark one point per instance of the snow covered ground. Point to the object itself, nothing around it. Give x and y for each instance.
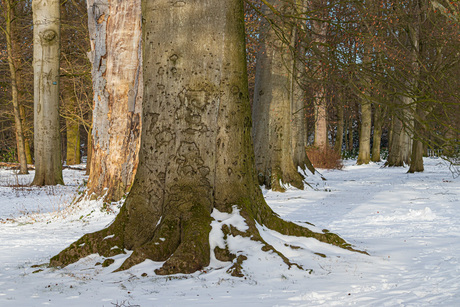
(408, 223)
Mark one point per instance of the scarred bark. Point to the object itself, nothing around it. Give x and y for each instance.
(115, 33)
(196, 152)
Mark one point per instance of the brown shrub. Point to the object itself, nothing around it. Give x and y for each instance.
(328, 159)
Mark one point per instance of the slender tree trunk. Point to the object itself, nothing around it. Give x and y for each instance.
(196, 156)
(73, 142)
(379, 115)
(272, 109)
(319, 29)
(364, 155)
(395, 157)
(89, 152)
(298, 99)
(115, 33)
(417, 146)
(25, 132)
(416, 161)
(340, 129)
(20, 140)
(47, 144)
(350, 134)
(73, 155)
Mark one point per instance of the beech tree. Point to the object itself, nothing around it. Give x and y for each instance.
(319, 27)
(196, 155)
(115, 34)
(47, 144)
(273, 101)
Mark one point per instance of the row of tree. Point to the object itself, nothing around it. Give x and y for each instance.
(320, 73)
(17, 81)
(183, 66)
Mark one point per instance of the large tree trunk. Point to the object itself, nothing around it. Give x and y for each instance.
(47, 144)
(115, 33)
(272, 108)
(196, 155)
(20, 139)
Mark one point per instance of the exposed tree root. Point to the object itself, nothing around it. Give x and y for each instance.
(181, 240)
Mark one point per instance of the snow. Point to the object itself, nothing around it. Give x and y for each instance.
(408, 223)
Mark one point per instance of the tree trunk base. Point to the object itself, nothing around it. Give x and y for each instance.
(181, 239)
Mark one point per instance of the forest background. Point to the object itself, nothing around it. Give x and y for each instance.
(375, 79)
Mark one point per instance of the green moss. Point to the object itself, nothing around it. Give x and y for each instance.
(107, 262)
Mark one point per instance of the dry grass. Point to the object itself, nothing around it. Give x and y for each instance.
(327, 159)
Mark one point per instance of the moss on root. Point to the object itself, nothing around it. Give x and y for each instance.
(181, 239)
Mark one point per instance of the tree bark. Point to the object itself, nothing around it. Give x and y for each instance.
(364, 155)
(89, 152)
(319, 29)
(73, 142)
(115, 33)
(350, 134)
(298, 97)
(272, 107)
(72, 123)
(20, 140)
(416, 164)
(340, 129)
(25, 132)
(379, 116)
(196, 155)
(47, 144)
(395, 157)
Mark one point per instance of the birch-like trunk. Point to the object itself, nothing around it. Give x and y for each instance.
(47, 144)
(115, 33)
